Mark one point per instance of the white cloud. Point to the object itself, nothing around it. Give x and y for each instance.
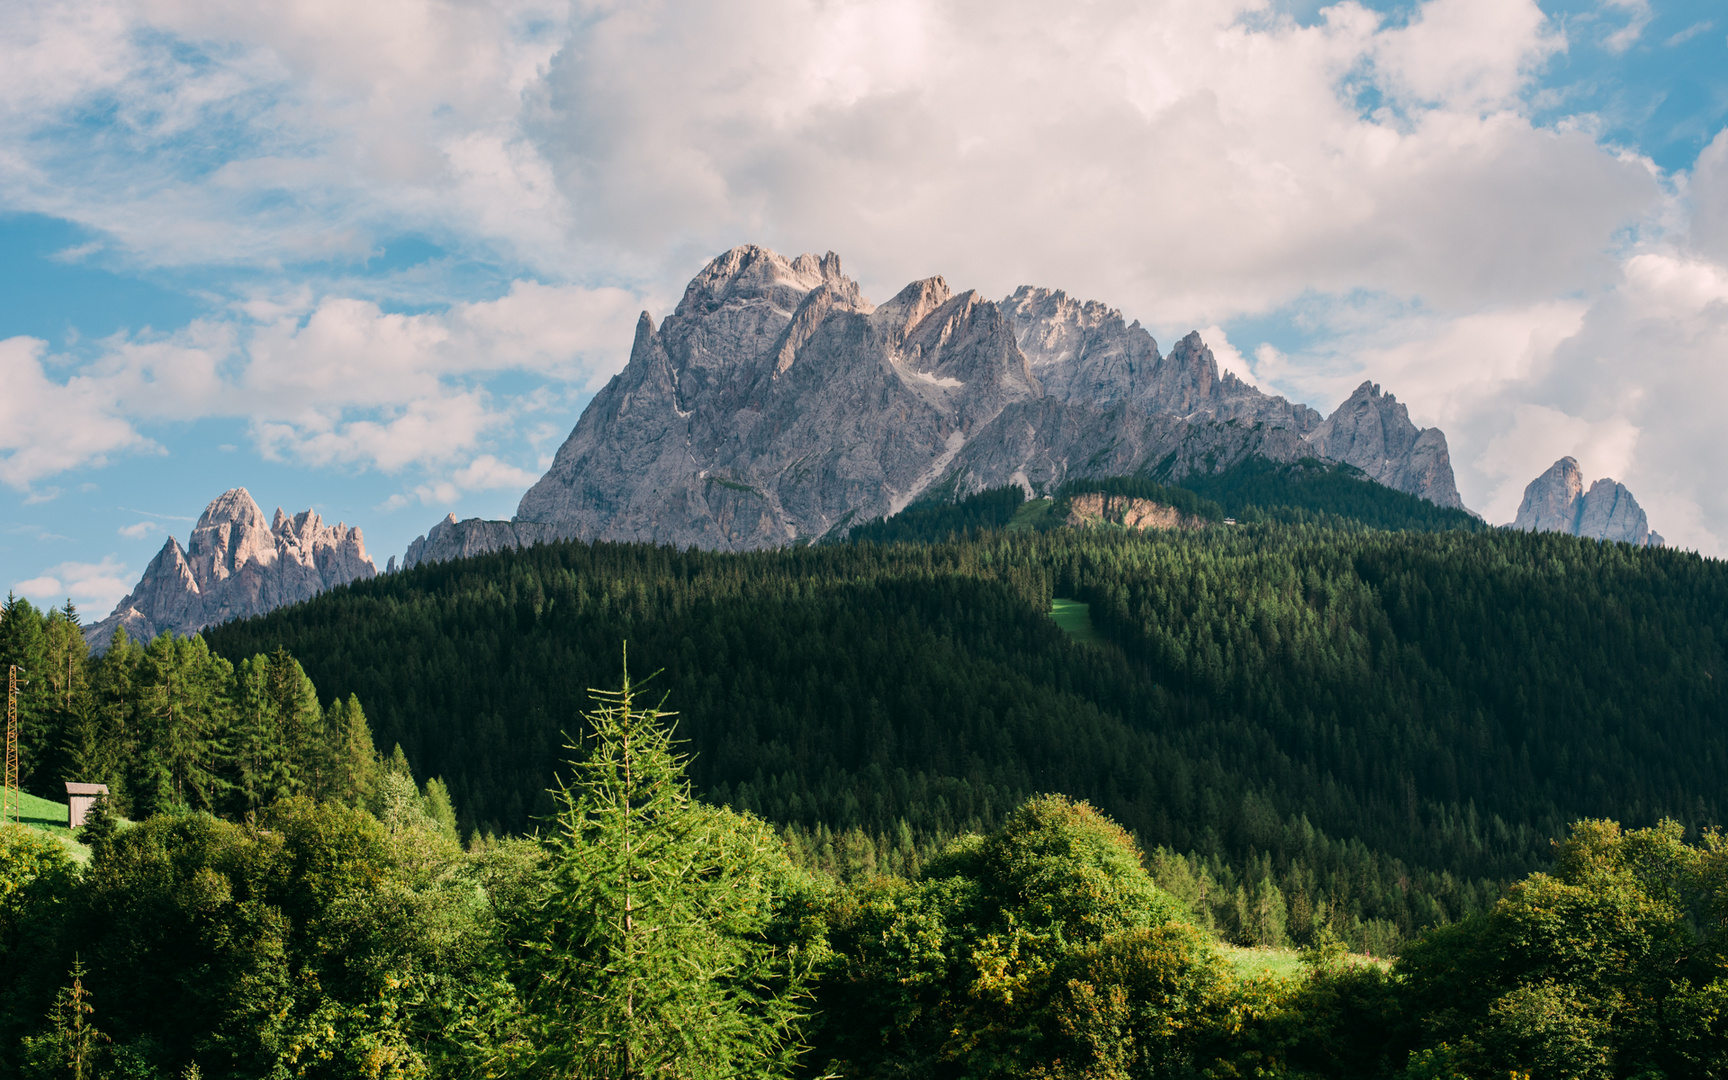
(343, 383)
(1638, 15)
(1190, 161)
(92, 586)
(484, 473)
(139, 530)
(46, 426)
(1229, 357)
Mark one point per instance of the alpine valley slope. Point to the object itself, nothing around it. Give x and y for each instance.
(777, 405)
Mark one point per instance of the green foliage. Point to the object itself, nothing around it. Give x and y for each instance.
(75, 1045)
(314, 943)
(36, 873)
(169, 726)
(650, 949)
(1044, 943)
(1616, 964)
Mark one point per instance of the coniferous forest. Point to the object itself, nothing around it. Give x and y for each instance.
(903, 823)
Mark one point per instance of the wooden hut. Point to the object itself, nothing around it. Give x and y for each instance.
(82, 797)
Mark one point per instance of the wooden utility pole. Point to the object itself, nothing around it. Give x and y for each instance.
(9, 799)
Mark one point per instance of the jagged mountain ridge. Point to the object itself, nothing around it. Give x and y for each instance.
(1557, 502)
(776, 404)
(234, 565)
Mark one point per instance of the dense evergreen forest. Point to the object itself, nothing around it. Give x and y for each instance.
(1380, 726)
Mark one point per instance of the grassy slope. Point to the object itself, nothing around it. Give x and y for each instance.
(50, 817)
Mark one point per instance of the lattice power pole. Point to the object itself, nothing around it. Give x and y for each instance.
(9, 799)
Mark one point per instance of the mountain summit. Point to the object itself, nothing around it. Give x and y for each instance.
(776, 404)
(1557, 502)
(236, 564)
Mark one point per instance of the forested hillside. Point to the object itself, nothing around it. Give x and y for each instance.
(1387, 723)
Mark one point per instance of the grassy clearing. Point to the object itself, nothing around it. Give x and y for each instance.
(1251, 962)
(46, 815)
(43, 813)
(1076, 618)
(1030, 513)
(1282, 963)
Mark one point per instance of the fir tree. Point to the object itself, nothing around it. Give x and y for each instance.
(354, 764)
(649, 939)
(300, 722)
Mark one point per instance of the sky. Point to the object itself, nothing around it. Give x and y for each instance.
(373, 259)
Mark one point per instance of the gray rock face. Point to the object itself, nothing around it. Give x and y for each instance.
(776, 404)
(452, 539)
(1551, 500)
(1082, 353)
(1374, 433)
(1557, 502)
(235, 565)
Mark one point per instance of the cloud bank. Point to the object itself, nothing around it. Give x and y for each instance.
(1380, 187)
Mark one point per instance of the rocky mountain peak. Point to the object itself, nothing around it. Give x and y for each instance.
(748, 272)
(1373, 432)
(911, 306)
(235, 566)
(233, 507)
(1551, 500)
(1557, 502)
(1080, 350)
(776, 404)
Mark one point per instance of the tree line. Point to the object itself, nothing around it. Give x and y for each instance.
(169, 725)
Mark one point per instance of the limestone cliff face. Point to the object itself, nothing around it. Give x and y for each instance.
(1094, 508)
(1557, 502)
(1373, 432)
(776, 404)
(236, 564)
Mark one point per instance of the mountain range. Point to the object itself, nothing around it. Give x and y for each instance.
(777, 405)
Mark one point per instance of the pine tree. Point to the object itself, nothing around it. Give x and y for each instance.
(99, 827)
(74, 1047)
(441, 809)
(259, 769)
(651, 957)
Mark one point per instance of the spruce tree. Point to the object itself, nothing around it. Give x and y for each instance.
(354, 764)
(649, 939)
(24, 642)
(301, 723)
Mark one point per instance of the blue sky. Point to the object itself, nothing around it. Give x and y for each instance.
(375, 261)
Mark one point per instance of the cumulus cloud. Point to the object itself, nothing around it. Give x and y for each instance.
(94, 586)
(1193, 162)
(46, 426)
(344, 383)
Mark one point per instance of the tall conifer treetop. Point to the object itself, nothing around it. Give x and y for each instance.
(652, 946)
